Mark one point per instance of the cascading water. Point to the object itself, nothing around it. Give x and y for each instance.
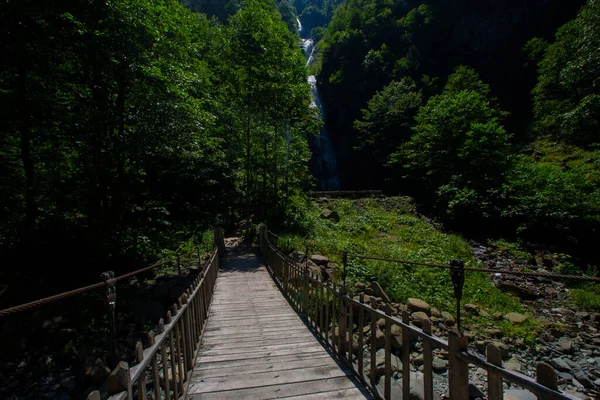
(325, 163)
(323, 150)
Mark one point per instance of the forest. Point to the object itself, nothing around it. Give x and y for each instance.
(486, 112)
(130, 127)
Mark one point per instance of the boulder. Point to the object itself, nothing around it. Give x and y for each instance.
(395, 362)
(330, 215)
(379, 292)
(519, 394)
(448, 318)
(319, 259)
(418, 305)
(565, 345)
(494, 332)
(524, 292)
(396, 337)
(515, 318)
(95, 371)
(416, 387)
(359, 286)
(380, 338)
(471, 308)
(419, 317)
(297, 256)
(439, 365)
(583, 379)
(560, 365)
(513, 364)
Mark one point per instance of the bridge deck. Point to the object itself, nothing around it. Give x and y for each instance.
(256, 347)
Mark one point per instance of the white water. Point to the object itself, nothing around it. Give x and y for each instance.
(308, 48)
(323, 149)
(328, 173)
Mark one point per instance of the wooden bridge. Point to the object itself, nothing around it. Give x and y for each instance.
(247, 330)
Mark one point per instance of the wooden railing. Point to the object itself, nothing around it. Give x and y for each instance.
(171, 352)
(332, 313)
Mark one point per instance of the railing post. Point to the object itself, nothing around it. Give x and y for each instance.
(120, 380)
(494, 356)
(305, 293)
(155, 373)
(457, 274)
(139, 357)
(427, 362)
(187, 334)
(111, 301)
(342, 324)
(458, 370)
(546, 376)
(178, 264)
(345, 263)
(406, 357)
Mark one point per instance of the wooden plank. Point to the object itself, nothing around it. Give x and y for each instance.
(279, 391)
(260, 348)
(254, 321)
(258, 317)
(352, 394)
(217, 337)
(250, 344)
(218, 330)
(219, 384)
(261, 360)
(274, 365)
(242, 340)
(316, 348)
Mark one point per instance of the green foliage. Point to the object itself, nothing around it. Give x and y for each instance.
(130, 126)
(587, 297)
(544, 198)
(459, 149)
(390, 228)
(387, 121)
(535, 49)
(567, 96)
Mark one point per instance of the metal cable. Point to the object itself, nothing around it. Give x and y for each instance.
(47, 300)
(490, 270)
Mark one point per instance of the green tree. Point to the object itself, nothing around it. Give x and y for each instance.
(388, 120)
(459, 151)
(567, 96)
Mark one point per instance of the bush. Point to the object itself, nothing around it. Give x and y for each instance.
(545, 202)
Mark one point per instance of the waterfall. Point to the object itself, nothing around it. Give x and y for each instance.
(299, 25)
(325, 162)
(308, 48)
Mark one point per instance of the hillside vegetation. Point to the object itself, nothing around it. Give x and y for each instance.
(486, 113)
(391, 228)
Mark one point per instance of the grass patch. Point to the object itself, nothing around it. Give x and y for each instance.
(588, 296)
(390, 228)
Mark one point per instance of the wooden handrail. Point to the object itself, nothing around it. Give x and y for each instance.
(176, 344)
(327, 308)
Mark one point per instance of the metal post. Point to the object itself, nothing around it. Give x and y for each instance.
(457, 274)
(345, 262)
(305, 290)
(111, 300)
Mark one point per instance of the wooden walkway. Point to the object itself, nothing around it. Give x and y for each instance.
(256, 347)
